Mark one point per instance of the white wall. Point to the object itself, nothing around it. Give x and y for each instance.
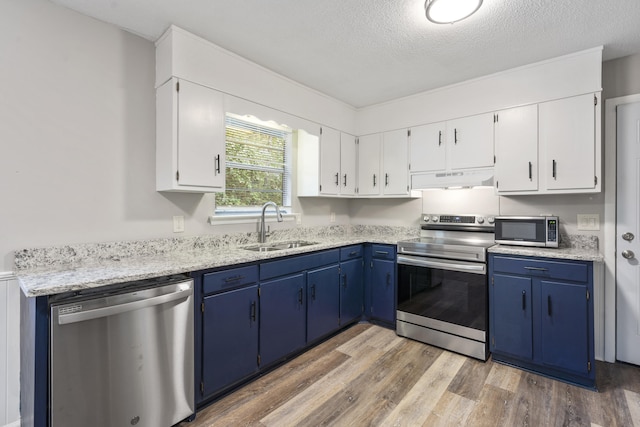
(621, 76)
(566, 207)
(391, 212)
(77, 131)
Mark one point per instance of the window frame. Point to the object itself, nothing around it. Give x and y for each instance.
(249, 212)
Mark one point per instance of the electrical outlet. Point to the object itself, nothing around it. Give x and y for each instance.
(589, 222)
(178, 224)
(333, 217)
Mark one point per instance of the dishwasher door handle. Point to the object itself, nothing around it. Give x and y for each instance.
(96, 313)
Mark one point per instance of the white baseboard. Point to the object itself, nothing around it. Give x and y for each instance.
(13, 424)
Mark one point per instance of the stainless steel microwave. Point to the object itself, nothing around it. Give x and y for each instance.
(541, 231)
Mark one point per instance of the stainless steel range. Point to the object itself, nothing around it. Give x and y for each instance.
(442, 293)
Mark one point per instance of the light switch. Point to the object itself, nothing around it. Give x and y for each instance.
(589, 222)
(178, 224)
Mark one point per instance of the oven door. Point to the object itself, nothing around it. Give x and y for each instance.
(446, 295)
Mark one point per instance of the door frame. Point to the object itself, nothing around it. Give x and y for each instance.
(610, 202)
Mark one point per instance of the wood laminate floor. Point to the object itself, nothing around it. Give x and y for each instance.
(368, 376)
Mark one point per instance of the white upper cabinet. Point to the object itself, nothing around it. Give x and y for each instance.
(428, 147)
(369, 152)
(326, 165)
(549, 148)
(516, 145)
(470, 142)
(459, 144)
(395, 163)
(307, 146)
(329, 162)
(190, 142)
(348, 160)
(570, 144)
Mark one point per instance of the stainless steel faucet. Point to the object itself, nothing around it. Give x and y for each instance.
(263, 232)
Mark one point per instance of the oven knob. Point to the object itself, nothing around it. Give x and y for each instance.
(480, 220)
(434, 218)
(490, 220)
(426, 218)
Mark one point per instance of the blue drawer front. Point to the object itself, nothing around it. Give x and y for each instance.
(297, 263)
(577, 271)
(228, 279)
(349, 252)
(383, 251)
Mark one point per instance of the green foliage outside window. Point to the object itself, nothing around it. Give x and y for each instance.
(256, 165)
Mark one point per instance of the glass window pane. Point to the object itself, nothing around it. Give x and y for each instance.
(257, 165)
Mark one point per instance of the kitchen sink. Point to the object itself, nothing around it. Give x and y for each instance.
(277, 246)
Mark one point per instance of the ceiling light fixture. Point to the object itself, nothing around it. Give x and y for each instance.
(450, 11)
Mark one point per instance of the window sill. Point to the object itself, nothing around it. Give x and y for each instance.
(251, 219)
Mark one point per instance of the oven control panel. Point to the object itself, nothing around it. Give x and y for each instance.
(459, 220)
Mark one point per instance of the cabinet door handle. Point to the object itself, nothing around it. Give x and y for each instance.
(549, 305)
(217, 164)
(233, 278)
(345, 180)
(530, 172)
(388, 279)
(554, 169)
(455, 135)
(253, 311)
(439, 138)
(385, 253)
(374, 179)
(337, 178)
(300, 295)
(524, 300)
(313, 291)
(536, 268)
(353, 253)
(344, 281)
(386, 179)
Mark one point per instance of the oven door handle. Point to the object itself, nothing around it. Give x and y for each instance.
(477, 268)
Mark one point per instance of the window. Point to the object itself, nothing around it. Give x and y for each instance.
(258, 165)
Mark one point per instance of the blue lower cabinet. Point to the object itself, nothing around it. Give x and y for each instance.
(351, 291)
(323, 302)
(511, 315)
(282, 317)
(380, 284)
(565, 314)
(541, 316)
(229, 338)
(383, 290)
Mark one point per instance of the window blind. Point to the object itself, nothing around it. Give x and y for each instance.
(258, 166)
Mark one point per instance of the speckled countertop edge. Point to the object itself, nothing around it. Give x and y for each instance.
(104, 269)
(580, 254)
(48, 271)
(580, 247)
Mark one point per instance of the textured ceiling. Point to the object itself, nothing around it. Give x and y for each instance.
(366, 52)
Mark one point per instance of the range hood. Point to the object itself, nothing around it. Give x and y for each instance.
(462, 178)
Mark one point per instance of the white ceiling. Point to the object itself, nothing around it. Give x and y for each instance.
(368, 51)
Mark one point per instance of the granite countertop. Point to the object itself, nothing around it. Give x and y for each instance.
(48, 271)
(55, 270)
(561, 253)
(574, 247)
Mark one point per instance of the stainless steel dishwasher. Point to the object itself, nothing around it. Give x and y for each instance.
(123, 357)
